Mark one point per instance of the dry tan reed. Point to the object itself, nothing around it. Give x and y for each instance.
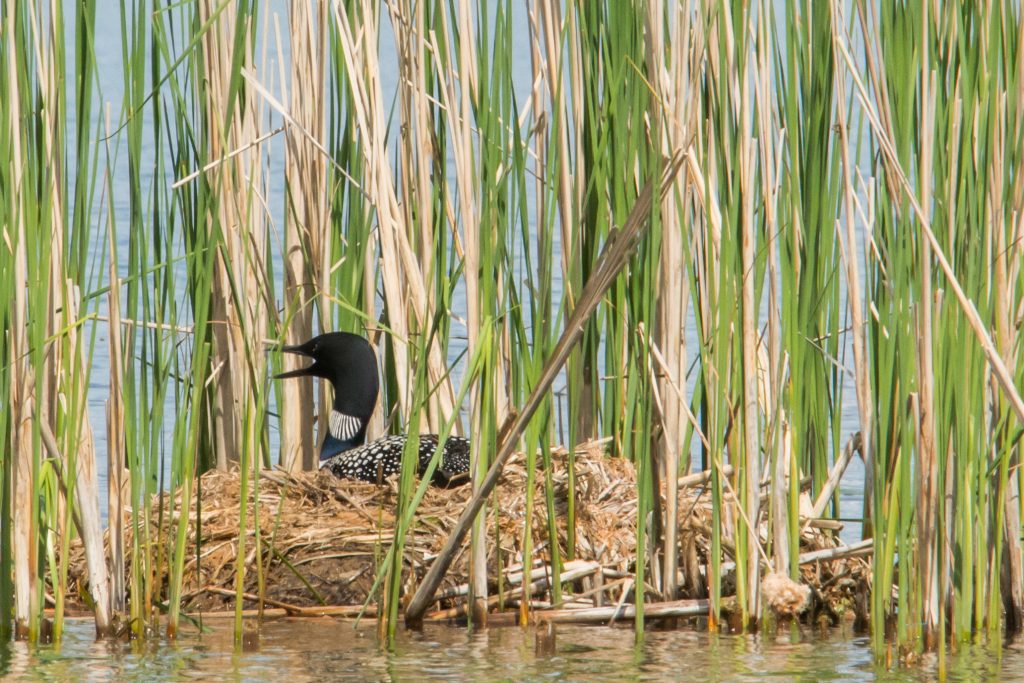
(829, 172)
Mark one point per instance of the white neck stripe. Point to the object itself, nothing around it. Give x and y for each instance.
(343, 427)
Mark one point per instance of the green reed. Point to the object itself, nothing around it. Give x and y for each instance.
(945, 442)
(811, 315)
(455, 189)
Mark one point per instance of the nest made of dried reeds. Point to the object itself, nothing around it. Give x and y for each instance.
(320, 540)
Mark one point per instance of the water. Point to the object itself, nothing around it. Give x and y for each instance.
(323, 649)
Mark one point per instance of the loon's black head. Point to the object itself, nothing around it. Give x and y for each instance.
(348, 362)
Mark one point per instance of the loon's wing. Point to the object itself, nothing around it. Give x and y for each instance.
(382, 458)
(453, 469)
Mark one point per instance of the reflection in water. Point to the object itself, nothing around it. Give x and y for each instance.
(323, 649)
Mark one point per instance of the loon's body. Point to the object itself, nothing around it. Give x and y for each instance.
(378, 459)
(347, 361)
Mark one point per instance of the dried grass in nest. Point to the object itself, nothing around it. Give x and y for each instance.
(322, 538)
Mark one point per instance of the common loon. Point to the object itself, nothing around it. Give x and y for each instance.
(348, 362)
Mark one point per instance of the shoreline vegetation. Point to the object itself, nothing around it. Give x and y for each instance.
(711, 220)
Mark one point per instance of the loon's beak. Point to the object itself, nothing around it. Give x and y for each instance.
(299, 372)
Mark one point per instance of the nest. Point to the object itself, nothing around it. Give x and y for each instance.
(320, 540)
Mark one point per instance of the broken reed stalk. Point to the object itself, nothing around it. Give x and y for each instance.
(81, 461)
(770, 380)
(614, 258)
(835, 475)
(85, 513)
(21, 486)
(515, 575)
(675, 85)
(598, 615)
(306, 228)
(862, 548)
(571, 571)
(749, 330)
(116, 440)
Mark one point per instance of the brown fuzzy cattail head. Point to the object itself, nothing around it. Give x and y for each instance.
(786, 597)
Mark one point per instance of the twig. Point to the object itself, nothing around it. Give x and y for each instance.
(834, 476)
(701, 478)
(294, 610)
(859, 549)
(618, 609)
(677, 608)
(127, 322)
(571, 571)
(217, 162)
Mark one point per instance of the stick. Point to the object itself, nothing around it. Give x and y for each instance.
(293, 610)
(858, 549)
(571, 571)
(677, 608)
(853, 445)
(337, 611)
(701, 478)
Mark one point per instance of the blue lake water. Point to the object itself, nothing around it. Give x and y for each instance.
(323, 649)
